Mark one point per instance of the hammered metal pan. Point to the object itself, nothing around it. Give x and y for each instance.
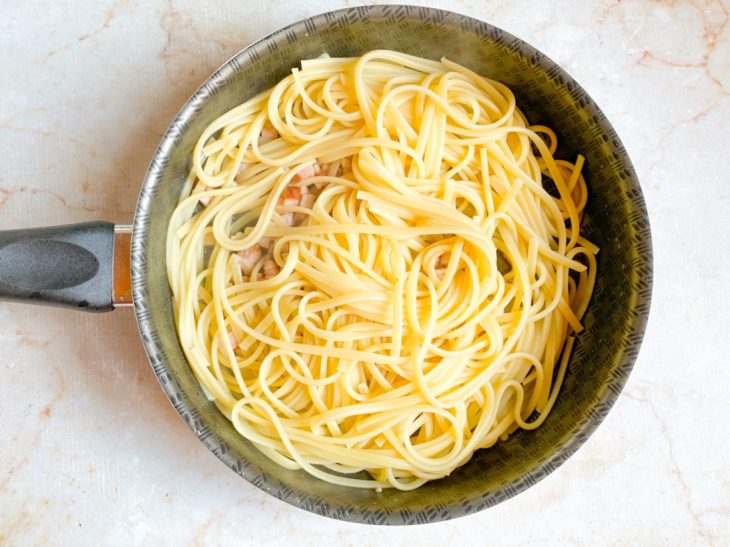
(88, 266)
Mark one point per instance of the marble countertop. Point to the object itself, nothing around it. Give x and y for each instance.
(92, 453)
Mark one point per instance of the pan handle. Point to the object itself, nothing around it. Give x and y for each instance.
(83, 266)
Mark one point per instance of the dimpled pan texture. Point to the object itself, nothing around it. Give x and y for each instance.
(616, 220)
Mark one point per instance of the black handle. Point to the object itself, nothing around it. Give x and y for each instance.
(70, 266)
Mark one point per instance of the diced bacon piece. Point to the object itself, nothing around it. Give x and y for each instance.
(232, 339)
(323, 168)
(266, 243)
(290, 196)
(205, 200)
(268, 134)
(306, 172)
(288, 218)
(293, 219)
(270, 268)
(248, 258)
(319, 185)
(307, 200)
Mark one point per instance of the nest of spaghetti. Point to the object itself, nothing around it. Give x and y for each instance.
(377, 266)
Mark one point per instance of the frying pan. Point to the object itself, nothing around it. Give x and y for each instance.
(89, 266)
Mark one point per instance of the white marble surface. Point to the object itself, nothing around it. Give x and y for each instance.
(91, 453)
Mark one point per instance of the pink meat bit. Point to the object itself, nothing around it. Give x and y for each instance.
(268, 134)
(293, 219)
(288, 218)
(290, 196)
(205, 200)
(270, 268)
(232, 339)
(293, 196)
(266, 243)
(306, 172)
(248, 258)
(307, 200)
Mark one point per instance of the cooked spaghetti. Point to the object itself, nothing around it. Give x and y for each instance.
(377, 266)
